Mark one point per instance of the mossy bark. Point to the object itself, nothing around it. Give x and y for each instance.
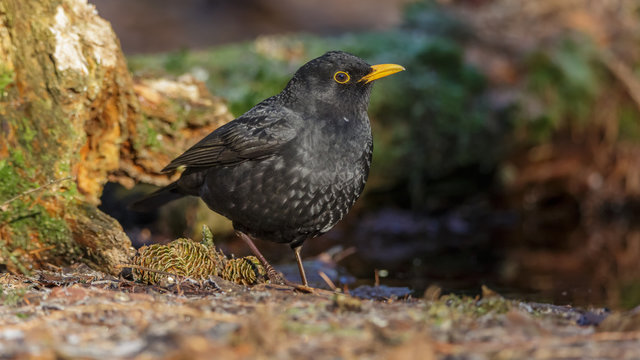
(66, 92)
(174, 115)
(70, 120)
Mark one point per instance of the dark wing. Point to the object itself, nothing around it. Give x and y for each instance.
(252, 136)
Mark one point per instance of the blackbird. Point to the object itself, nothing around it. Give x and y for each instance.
(291, 167)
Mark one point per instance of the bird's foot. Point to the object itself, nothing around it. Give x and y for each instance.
(276, 277)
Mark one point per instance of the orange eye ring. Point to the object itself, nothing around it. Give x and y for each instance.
(341, 77)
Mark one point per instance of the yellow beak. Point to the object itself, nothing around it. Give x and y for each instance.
(380, 71)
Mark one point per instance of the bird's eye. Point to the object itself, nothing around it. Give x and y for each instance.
(341, 77)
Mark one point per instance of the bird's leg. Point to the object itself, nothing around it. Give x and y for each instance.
(274, 276)
(303, 276)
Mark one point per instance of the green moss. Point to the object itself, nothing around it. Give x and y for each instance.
(182, 113)
(11, 297)
(37, 149)
(27, 133)
(64, 168)
(25, 218)
(17, 157)
(630, 294)
(23, 316)
(11, 180)
(147, 135)
(32, 227)
(6, 78)
(151, 137)
(451, 308)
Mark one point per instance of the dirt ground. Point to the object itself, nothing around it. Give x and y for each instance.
(80, 313)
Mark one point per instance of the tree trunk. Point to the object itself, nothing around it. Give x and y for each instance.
(70, 120)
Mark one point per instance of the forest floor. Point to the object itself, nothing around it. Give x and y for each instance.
(80, 313)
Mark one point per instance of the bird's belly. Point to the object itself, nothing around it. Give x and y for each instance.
(284, 201)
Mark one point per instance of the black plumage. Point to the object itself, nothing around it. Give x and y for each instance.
(291, 167)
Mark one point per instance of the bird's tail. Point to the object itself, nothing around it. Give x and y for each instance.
(157, 198)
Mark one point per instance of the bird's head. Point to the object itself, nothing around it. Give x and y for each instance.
(337, 79)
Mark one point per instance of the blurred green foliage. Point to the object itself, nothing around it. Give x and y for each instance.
(565, 80)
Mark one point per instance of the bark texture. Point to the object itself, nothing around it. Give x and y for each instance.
(174, 114)
(70, 120)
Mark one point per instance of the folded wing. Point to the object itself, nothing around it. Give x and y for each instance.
(246, 138)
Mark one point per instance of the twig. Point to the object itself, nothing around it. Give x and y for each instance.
(345, 289)
(39, 250)
(41, 187)
(53, 267)
(36, 252)
(327, 280)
